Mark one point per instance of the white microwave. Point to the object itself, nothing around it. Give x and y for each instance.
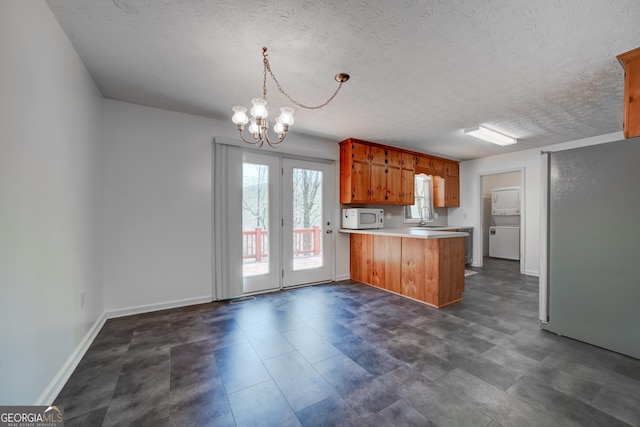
(362, 218)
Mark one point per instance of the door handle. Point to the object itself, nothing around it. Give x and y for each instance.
(329, 231)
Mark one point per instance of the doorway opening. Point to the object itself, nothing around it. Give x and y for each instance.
(501, 236)
(286, 222)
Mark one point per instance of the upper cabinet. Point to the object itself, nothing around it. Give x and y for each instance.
(430, 165)
(451, 184)
(631, 63)
(373, 173)
(379, 174)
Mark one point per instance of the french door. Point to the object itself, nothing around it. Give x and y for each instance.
(286, 222)
(260, 222)
(306, 222)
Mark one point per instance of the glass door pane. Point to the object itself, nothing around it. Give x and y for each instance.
(255, 219)
(307, 229)
(307, 219)
(260, 218)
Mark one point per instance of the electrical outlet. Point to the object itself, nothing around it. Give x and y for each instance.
(82, 299)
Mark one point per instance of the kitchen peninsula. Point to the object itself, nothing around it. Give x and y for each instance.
(421, 264)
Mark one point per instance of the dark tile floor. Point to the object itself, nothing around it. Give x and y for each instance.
(349, 354)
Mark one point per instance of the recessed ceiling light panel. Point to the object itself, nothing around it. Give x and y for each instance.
(490, 135)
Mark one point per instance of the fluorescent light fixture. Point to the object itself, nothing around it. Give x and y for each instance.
(490, 135)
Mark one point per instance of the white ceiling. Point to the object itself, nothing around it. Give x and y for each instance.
(543, 71)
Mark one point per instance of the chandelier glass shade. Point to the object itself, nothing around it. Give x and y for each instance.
(258, 124)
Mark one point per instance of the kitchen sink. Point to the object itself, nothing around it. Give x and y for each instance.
(430, 227)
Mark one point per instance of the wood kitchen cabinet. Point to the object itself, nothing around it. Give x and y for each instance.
(362, 258)
(430, 165)
(387, 263)
(373, 173)
(378, 174)
(451, 184)
(428, 270)
(355, 172)
(407, 195)
(452, 192)
(631, 63)
(446, 180)
(390, 177)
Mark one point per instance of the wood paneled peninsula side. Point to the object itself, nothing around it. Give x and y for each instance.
(420, 264)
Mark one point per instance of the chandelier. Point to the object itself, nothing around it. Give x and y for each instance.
(259, 127)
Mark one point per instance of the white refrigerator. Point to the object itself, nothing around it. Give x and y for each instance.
(589, 276)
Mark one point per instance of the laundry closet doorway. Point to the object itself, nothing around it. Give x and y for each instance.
(489, 182)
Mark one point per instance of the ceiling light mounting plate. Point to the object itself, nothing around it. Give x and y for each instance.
(342, 77)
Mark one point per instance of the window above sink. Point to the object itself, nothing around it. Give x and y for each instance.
(421, 212)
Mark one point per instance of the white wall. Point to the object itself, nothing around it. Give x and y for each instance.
(158, 216)
(507, 179)
(469, 211)
(50, 211)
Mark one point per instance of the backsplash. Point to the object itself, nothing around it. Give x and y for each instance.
(397, 215)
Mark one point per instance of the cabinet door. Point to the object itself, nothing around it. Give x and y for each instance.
(452, 169)
(378, 155)
(439, 192)
(360, 182)
(408, 161)
(387, 263)
(394, 158)
(407, 196)
(394, 184)
(422, 164)
(378, 183)
(452, 192)
(631, 64)
(437, 166)
(361, 265)
(360, 152)
(632, 98)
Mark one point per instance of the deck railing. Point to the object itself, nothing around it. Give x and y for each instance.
(255, 243)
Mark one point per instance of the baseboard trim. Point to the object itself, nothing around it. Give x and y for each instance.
(343, 277)
(55, 386)
(532, 273)
(140, 309)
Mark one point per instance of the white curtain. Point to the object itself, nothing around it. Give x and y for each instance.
(227, 221)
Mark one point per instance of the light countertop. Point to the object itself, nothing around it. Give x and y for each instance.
(413, 232)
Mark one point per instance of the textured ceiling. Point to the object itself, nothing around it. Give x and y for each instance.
(421, 71)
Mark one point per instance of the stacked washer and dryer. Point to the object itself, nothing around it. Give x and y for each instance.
(504, 236)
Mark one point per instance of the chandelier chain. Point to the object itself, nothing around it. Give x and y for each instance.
(267, 67)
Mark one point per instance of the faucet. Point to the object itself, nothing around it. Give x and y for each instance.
(423, 220)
